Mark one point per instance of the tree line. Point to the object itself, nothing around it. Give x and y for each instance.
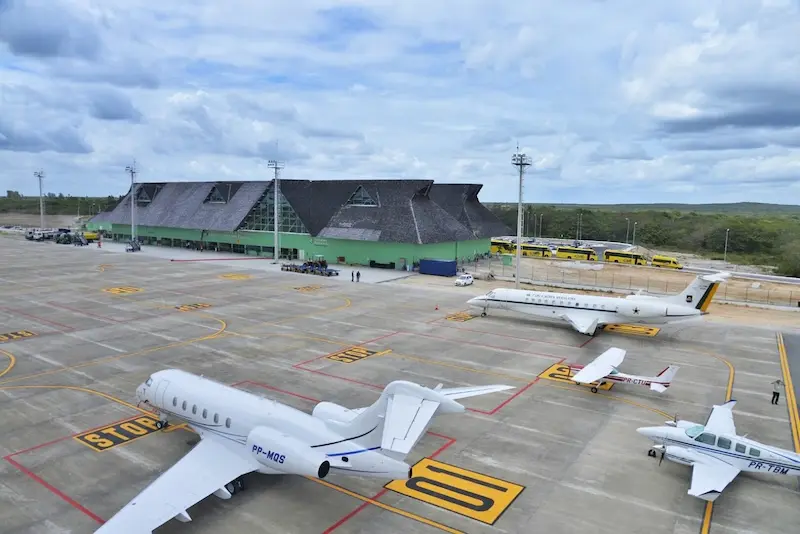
(57, 204)
(753, 238)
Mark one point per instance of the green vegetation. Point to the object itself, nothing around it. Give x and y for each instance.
(767, 237)
(57, 204)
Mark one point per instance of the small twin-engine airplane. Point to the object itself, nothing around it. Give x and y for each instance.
(604, 367)
(715, 452)
(586, 312)
(242, 433)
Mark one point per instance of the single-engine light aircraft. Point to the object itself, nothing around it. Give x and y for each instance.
(715, 452)
(586, 312)
(604, 367)
(242, 433)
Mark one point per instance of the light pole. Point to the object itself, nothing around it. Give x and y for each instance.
(521, 161)
(725, 256)
(634, 233)
(534, 226)
(131, 169)
(40, 176)
(627, 230)
(541, 215)
(276, 166)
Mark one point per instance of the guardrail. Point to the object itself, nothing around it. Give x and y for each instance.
(603, 280)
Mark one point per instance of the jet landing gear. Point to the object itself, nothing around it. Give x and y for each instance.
(483, 313)
(235, 486)
(162, 424)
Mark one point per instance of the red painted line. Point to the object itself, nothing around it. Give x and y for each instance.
(40, 320)
(351, 380)
(279, 390)
(299, 365)
(55, 491)
(586, 342)
(507, 335)
(511, 398)
(474, 344)
(81, 312)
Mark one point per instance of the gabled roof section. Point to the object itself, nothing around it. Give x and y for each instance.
(145, 193)
(461, 201)
(361, 198)
(222, 192)
(182, 205)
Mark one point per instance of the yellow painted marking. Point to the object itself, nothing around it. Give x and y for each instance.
(791, 399)
(16, 336)
(460, 317)
(563, 373)
(220, 332)
(474, 495)
(387, 507)
(705, 527)
(621, 399)
(632, 329)
(708, 300)
(124, 290)
(236, 276)
(12, 361)
(102, 267)
(307, 289)
(355, 354)
(192, 307)
(123, 432)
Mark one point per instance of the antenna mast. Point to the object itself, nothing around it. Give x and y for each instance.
(40, 176)
(131, 169)
(521, 161)
(276, 166)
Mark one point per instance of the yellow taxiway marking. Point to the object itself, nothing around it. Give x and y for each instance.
(114, 358)
(123, 290)
(458, 490)
(192, 307)
(355, 354)
(559, 372)
(791, 399)
(16, 336)
(460, 317)
(120, 433)
(236, 276)
(85, 390)
(387, 507)
(12, 361)
(705, 527)
(632, 329)
(103, 266)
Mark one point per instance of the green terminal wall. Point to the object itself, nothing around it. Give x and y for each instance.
(261, 243)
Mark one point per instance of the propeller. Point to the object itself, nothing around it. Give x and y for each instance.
(663, 452)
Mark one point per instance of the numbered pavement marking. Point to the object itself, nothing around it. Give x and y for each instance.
(16, 336)
(235, 276)
(119, 433)
(355, 354)
(192, 307)
(474, 495)
(123, 290)
(563, 373)
(460, 317)
(632, 329)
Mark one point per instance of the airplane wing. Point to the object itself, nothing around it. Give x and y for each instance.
(585, 321)
(408, 416)
(721, 419)
(202, 471)
(600, 366)
(710, 477)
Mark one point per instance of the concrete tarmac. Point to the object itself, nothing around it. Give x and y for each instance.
(80, 330)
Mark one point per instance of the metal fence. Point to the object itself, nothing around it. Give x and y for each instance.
(733, 290)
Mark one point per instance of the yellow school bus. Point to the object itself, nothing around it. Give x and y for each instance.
(621, 256)
(536, 251)
(575, 253)
(665, 261)
(501, 246)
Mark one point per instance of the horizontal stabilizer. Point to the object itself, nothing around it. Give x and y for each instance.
(654, 386)
(183, 517)
(472, 391)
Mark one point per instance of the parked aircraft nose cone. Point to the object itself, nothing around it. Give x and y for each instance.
(651, 432)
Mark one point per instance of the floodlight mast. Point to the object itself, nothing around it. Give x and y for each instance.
(521, 161)
(131, 169)
(40, 176)
(276, 166)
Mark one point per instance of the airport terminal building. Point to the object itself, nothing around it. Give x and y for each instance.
(382, 223)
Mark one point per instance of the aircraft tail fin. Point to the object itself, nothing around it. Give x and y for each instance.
(664, 379)
(403, 413)
(700, 292)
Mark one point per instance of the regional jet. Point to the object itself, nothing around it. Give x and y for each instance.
(242, 433)
(604, 367)
(585, 313)
(715, 452)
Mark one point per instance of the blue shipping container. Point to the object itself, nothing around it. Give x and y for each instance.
(438, 267)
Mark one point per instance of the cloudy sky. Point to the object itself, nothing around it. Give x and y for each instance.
(613, 100)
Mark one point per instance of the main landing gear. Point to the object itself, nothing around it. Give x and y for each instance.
(161, 424)
(235, 486)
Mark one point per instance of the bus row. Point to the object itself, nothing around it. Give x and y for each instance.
(585, 254)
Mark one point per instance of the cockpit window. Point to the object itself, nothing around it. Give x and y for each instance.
(694, 431)
(149, 382)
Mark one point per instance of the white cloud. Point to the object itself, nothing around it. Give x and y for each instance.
(615, 101)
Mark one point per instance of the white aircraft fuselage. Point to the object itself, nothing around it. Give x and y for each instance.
(281, 438)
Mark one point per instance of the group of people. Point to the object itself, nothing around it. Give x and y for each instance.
(355, 277)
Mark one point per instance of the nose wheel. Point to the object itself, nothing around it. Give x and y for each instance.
(161, 424)
(651, 453)
(235, 486)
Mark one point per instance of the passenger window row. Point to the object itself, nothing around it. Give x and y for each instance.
(725, 443)
(562, 303)
(184, 406)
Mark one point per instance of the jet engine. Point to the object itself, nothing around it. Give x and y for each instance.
(329, 411)
(282, 453)
(641, 308)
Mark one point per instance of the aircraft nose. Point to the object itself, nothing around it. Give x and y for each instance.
(140, 392)
(652, 432)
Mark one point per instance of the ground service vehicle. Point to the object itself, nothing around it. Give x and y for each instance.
(501, 246)
(575, 253)
(536, 251)
(621, 256)
(665, 261)
(464, 280)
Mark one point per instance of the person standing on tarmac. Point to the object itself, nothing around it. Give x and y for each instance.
(358, 276)
(776, 390)
(352, 276)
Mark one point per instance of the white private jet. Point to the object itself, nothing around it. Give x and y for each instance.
(242, 433)
(604, 367)
(716, 453)
(585, 313)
